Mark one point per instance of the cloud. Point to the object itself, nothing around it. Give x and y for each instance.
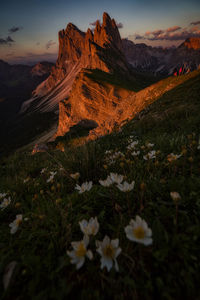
(7, 41)
(173, 29)
(38, 43)
(119, 25)
(195, 23)
(49, 44)
(14, 29)
(175, 33)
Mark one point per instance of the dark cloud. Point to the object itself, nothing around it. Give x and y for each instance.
(6, 41)
(14, 29)
(49, 44)
(119, 25)
(139, 37)
(195, 23)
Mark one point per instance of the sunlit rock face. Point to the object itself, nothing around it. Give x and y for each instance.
(192, 43)
(77, 50)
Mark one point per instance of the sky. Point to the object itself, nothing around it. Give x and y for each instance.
(29, 28)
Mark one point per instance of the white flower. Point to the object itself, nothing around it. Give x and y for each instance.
(138, 231)
(172, 157)
(15, 224)
(26, 180)
(198, 147)
(116, 178)
(75, 175)
(2, 195)
(52, 176)
(79, 252)
(175, 196)
(5, 203)
(149, 145)
(150, 155)
(108, 152)
(125, 186)
(43, 170)
(91, 227)
(109, 251)
(106, 182)
(132, 145)
(135, 153)
(86, 186)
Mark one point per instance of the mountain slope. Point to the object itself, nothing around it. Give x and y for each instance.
(52, 209)
(77, 50)
(163, 61)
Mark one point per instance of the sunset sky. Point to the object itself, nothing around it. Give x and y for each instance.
(29, 29)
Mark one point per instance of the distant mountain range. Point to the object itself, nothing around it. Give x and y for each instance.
(158, 60)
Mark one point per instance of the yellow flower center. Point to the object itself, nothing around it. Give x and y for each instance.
(81, 251)
(18, 222)
(139, 232)
(109, 251)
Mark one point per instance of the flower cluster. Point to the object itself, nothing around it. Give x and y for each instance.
(137, 231)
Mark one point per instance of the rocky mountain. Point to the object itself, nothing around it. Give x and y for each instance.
(163, 61)
(77, 50)
(88, 84)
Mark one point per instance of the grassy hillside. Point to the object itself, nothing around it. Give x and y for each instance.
(169, 268)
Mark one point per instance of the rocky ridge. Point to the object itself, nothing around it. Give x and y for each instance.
(77, 50)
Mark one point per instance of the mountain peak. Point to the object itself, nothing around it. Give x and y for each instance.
(191, 43)
(106, 19)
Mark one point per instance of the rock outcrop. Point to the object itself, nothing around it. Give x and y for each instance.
(191, 43)
(77, 50)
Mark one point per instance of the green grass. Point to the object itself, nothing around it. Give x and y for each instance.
(168, 269)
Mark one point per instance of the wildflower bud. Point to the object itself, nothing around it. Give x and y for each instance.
(118, 208)
(121, 164)
(194, 142)
(142, 186)
(58, 185)
(53, 188)
(156, 163)
(59, 200)
(105, 167)
(18, 204)
(41, 217)
(184, 151)
(190, 159)
(175, 196)
(41, 192)
(35, 196)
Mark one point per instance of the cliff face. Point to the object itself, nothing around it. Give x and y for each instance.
(77, 50)
(192, 43)
(89, 100)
